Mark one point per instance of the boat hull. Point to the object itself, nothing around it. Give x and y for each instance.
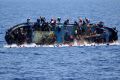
(56, 36)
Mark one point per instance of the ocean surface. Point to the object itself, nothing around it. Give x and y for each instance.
(59, 63)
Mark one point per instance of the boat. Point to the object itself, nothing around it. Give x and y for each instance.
(47, 33)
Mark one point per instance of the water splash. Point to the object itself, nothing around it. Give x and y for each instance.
(75, 44)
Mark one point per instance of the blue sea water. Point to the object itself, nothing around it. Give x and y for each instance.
(65, 63)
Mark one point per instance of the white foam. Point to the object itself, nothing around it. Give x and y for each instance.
(59, 45)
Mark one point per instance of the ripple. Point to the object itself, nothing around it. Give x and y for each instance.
(30, 78)
(70, 78)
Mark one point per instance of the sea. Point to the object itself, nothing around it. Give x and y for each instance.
(93, 62)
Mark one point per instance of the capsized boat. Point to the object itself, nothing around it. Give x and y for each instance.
(45, 33)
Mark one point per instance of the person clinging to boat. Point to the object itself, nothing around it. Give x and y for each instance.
(81, 29)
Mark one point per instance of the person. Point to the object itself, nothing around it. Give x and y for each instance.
(114, 34)
(76, 29)
(87, 20)
(37, 25)
(66, 37)
(66, 22)
(93, 29)
(28, 21)
(53, 24)
(8, 38)
(76, 23)
(38, 21)
(29, 26)
(101, 24)
(52, 37)
(53, 21)
(80, 22)
(20, 38)
(84, 23)
(88, 29)
(42, 19)
(106, 35)
(58, 20)
(28, 32)
(84, 28)
(46, 26)
(58, 34)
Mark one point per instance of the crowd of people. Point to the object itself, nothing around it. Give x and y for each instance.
(80, 29)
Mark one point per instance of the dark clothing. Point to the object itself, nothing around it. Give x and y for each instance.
(66, 22)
